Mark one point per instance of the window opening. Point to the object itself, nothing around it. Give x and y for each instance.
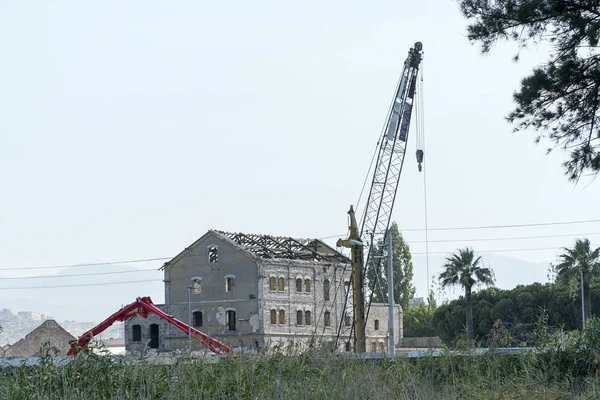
(307, 285)
(196, 285)
(229, 284)
(197, 318)
(327, 318)
(273, 317)
(230, 320)
(136, 331)
(299, 317)
(298, 285)
(272, 283)
(281, 317)
(307, 318)
(326, 289)
(213, 254)
(281, 284)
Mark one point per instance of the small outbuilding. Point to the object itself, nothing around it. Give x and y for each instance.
(49, 337)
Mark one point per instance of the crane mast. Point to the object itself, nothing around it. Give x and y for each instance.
(382, 194)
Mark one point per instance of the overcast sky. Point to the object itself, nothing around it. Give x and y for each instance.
(128, 129)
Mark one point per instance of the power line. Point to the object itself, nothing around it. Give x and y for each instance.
(493, 251)
(504, 238)
(73, 275)
(89, 264)
(79, 285)
(483, 227)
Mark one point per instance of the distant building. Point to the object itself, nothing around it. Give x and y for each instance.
(49, 334)
(252, 290)
(416, 301)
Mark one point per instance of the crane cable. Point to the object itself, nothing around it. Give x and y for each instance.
(420, 142)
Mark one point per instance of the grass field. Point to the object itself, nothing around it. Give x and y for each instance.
(563, 367)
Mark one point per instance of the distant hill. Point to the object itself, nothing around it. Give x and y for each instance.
(81, 302)
(509, 271)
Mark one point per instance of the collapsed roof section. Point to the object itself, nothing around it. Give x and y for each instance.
(266, 246)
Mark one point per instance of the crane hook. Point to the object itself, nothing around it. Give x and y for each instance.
(420, 159)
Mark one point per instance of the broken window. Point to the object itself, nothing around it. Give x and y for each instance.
(213, 254)
(376, 324)
(197, 318)
(281, 317)
(347, 319)
(273, 317)
(272, 283)
(229, 284)
(281, 287)
(230, 320)
(298, 285)
(307, 317)
(299, 317)
(196, 285)
(136, 333)
(327, 318)
(326, 289)
(307, 285)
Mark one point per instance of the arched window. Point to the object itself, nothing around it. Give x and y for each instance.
(373, 347)
(307, 317)
(326, 289)
(273, 317)
(281, 287)
(299, 285)
(136, 333)
(281, 317)
(197, 318)
(307, 285)
(299, 317)
(196, 285)
(376, 324)
(381, 347)
(272, 283)
(347, 319)
(327, 318)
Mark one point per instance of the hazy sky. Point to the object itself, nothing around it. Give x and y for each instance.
(128, 129)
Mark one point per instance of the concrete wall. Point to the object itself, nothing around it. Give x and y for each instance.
(213, 300)
(422, 342)
(50, 333)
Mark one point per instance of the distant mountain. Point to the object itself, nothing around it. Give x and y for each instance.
(81, 301)
(509, 271)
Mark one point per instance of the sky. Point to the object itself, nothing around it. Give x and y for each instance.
(128, 129)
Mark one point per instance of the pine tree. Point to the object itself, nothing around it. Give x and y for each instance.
(559, 100)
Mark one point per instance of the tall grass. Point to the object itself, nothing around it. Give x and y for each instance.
(564, 366)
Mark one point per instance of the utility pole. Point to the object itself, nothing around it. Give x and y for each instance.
(582, 301)
(189, 289)
(390, 276)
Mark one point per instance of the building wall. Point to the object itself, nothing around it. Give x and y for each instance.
(48, 333)
(213, 301)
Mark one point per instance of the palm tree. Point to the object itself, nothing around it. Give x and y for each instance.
(583, 263)
(464, 270)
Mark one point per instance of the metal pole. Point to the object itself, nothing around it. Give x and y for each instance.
(582, 301)
(391, 343)
(189, 320)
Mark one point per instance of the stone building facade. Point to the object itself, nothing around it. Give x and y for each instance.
(252, 291)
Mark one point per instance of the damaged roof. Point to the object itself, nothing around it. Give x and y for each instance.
(281, 247)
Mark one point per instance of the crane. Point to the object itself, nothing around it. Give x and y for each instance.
(142, 306)
(371, 237)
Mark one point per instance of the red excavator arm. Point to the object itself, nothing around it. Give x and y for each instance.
(142, 306)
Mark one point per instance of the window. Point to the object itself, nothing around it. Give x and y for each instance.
(347, 319)
(373, 347)
(326, 289)
(230, 316)
(196, 285)
(381, 347)
(154, 336)
(307, 285)
(230, 284)
(213, 254)
(273, 317)
(376, 324)
(327, 318)
(307, 317)
(281, 287)
(136, 332)
(197, 318)
(281, 317)
(299, 285)
(272, 283)
(346, 287)
(299, 317)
